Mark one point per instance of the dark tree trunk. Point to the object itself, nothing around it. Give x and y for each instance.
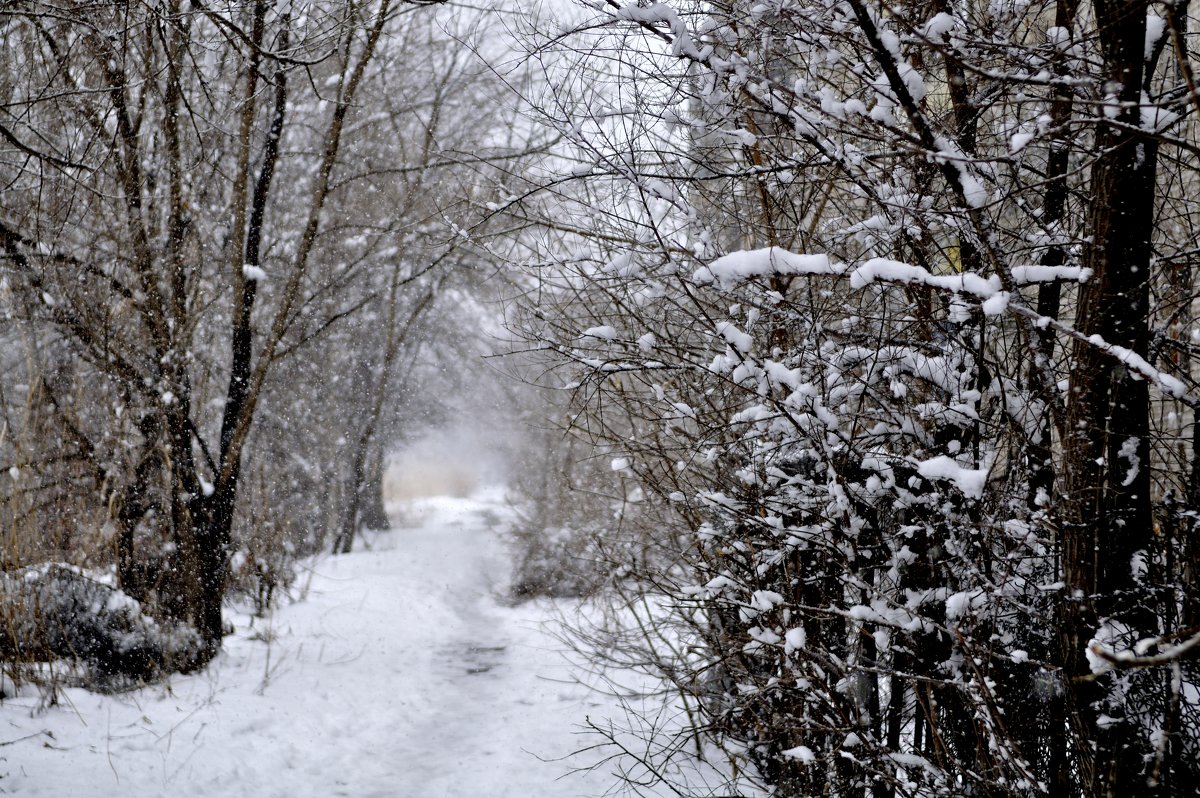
(133, 503)
(372, 513)
(1040, 453)
(212, 515)
(344, 542)
(214, 532)
(1107, 514)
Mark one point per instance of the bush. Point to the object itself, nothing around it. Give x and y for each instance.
(555, 562)
(54, 613)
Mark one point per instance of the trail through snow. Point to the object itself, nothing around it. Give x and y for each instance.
(399, 674)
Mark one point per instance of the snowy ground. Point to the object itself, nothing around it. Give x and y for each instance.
(400, 673)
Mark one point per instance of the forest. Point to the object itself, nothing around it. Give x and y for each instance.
(832, 361)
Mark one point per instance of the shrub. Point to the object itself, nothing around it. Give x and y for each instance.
(54, 613)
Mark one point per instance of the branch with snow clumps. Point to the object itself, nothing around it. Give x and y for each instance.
(1137, 657)
(729, 270)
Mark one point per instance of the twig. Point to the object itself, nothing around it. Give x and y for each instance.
(45, 732)
(108, 746)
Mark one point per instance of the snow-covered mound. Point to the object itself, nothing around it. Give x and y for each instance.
(57, 613)
(400, 672)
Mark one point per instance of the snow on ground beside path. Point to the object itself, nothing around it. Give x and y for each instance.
(399, 674)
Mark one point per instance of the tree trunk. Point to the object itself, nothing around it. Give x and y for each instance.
(355, 484)
(372, 513)
(1106, 479)
(213, 531)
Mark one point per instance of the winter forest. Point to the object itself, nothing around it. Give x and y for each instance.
(600, 397)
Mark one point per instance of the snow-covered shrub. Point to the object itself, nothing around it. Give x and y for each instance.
(563, 512)
(554, 561)
(576, 515)
(870, 313)
(54, 613)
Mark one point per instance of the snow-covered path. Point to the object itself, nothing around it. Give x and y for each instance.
(399, 674)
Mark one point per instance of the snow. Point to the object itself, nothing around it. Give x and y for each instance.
(887, 270)
(252, 271)
(974, 192)
(1111, 638)
(656, 14)
(399, 673)
(912, 81)
(1024, 275)
(765, 600)
(970, 481)
(795, 639)
(996, 304)
(729, 270)
(964, 604)
(1135, 362)
(1129, 453)
(1058, 36)
(1154, 118)
(938, 26)
(1019, 141)
(801, 752)
(603, 332)
(1139, 565)
(734, 337)
(1155, 27)
(624, 265)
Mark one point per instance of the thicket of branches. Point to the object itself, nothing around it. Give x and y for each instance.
(889, 310)
(224, 229)
(884, 315)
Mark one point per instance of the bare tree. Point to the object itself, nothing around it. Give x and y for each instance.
(145, 233)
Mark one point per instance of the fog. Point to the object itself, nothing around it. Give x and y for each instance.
(452, 461)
